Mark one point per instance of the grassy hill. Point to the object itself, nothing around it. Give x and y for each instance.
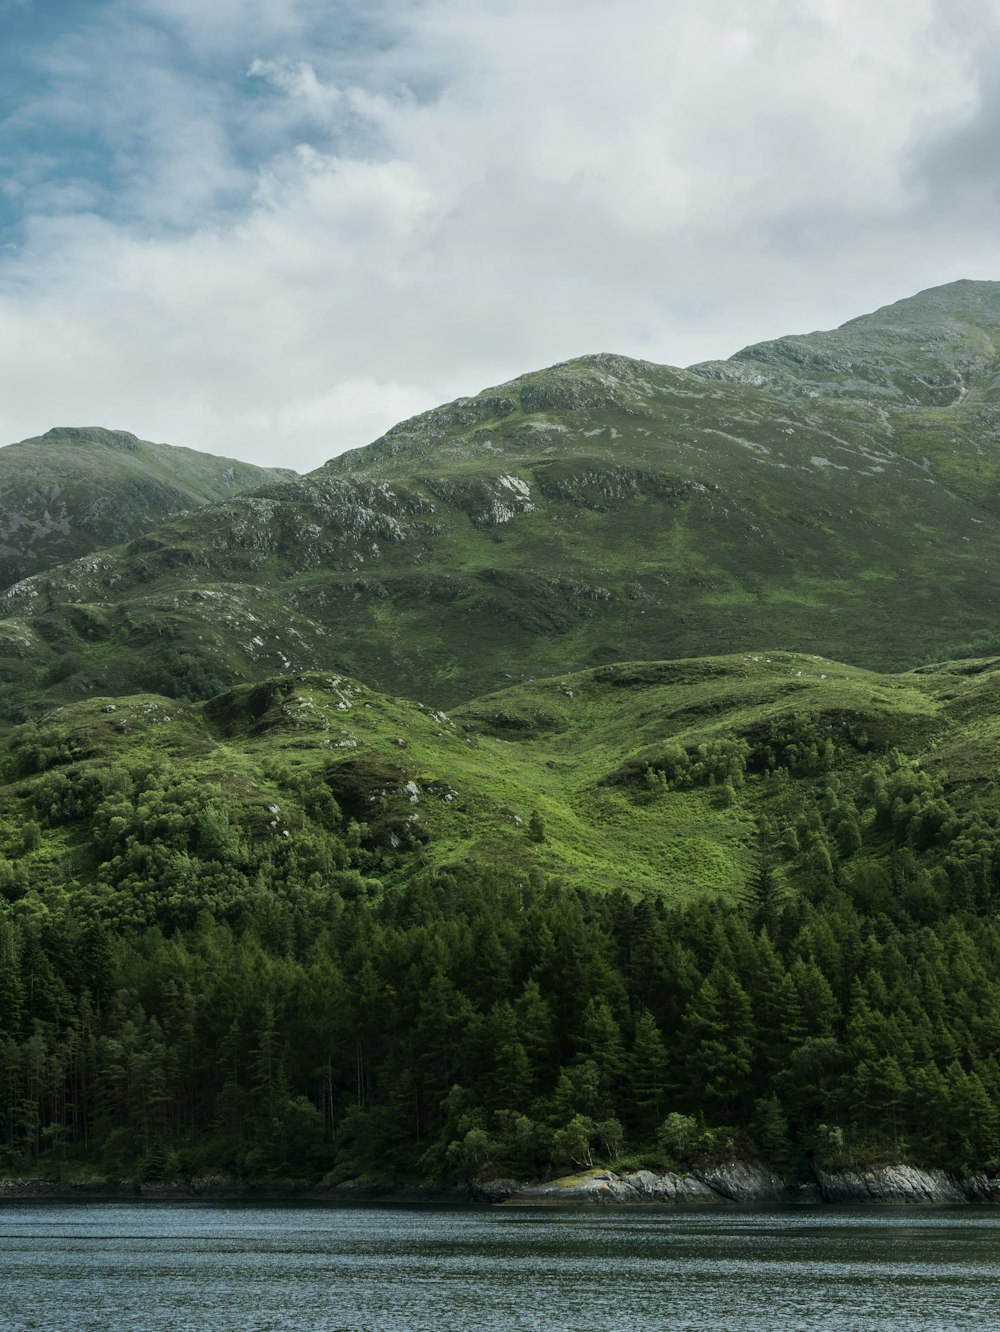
(667, 883)
(651, 914)
(653, 777)
(936, 349)
(73, 491)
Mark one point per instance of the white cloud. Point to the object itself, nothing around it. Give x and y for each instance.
(313, 235)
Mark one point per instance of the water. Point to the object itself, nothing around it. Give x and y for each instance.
(179, 1266)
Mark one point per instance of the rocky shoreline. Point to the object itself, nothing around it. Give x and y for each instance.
(735, 1183)
(747, 1182)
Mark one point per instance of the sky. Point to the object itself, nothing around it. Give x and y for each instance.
(270, 229)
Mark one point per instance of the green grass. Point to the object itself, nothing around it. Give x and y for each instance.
(571, 749)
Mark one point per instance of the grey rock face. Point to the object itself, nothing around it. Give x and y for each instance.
(735, 1182)
(745, 1182)
(897, 1184)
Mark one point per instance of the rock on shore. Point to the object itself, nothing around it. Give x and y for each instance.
(904, 1184)
(750, 1182)
(735, 1182)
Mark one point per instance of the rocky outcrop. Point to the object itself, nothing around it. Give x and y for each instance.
(747, 1182)
(750, 1182)
(903, 1184)
(601, 1186)
(735, 1182)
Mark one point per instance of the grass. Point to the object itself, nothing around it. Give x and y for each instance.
(570, 749)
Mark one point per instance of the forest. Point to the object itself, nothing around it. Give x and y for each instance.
(185, 991)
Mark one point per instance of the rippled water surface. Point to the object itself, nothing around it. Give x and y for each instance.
(249, 1267)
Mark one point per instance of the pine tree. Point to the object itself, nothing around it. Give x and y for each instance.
(720, 1055)
(647, 1074)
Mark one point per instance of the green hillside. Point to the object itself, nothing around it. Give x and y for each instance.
(72, 492)
(667, 883)
(601, 510)
(936, 349)
(654, 777)
(679, 909)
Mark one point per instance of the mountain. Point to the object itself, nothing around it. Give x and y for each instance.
(691, 870)
(600, 510)
(936, 349)
(73, 491)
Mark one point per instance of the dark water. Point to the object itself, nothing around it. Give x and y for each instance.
(182, 1266)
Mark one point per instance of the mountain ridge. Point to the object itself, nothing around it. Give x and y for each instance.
(601, 509)
(919, 351)
(76, 490)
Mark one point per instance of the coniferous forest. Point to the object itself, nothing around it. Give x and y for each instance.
(318, 1005)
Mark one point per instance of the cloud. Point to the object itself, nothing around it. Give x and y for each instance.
(298, 222)
(957, 165)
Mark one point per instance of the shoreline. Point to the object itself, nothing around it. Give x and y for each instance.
(224, 1190)
(737, 1183)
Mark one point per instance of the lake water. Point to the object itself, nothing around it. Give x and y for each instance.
(168, 1266)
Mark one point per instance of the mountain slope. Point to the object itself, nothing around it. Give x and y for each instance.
(935, 349)
(600, 510)
(739, 903)
(653, 776)
(73, 491)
